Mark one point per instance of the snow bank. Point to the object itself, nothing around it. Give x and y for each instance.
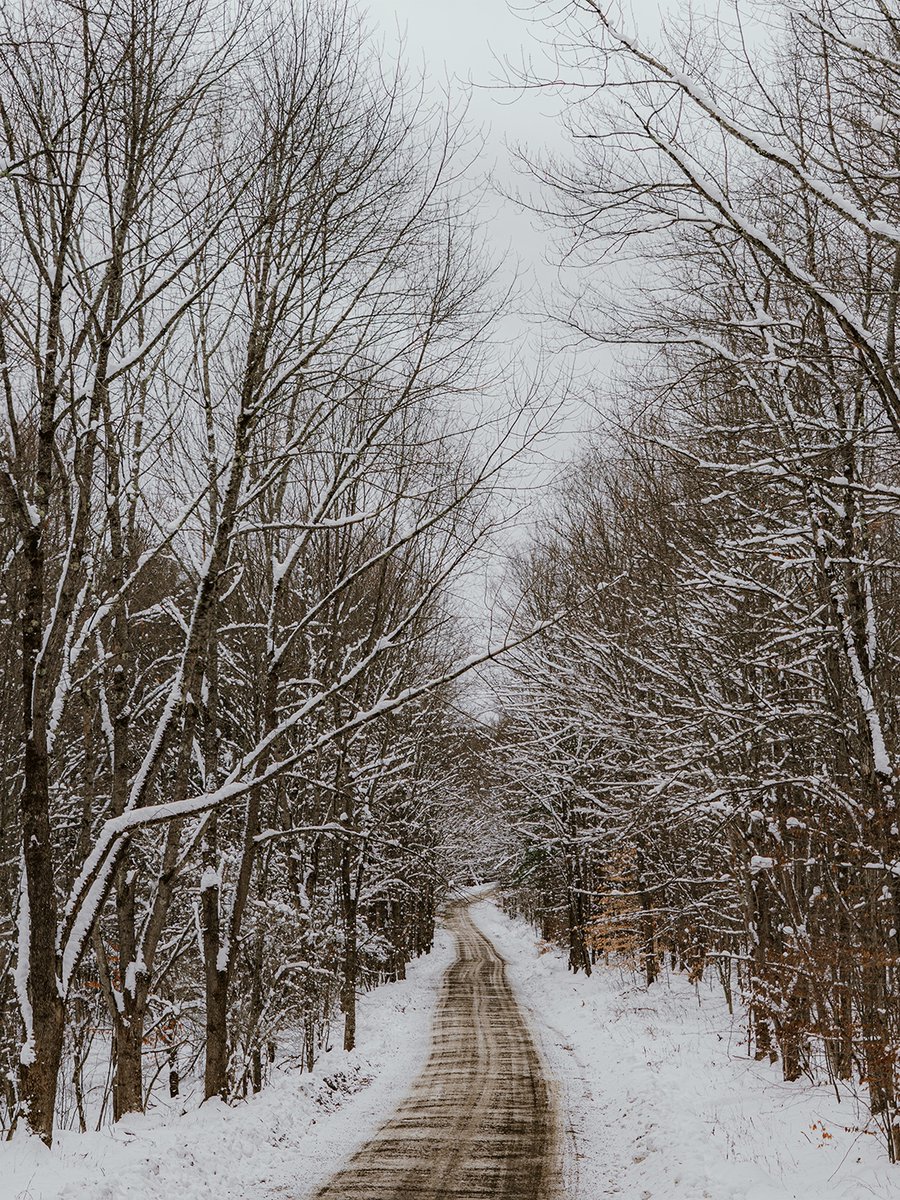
(284, 1142)
(660, 1101)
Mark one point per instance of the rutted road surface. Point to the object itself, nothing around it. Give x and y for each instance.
(479, 1120)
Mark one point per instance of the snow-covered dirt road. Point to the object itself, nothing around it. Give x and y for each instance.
(479, 1120)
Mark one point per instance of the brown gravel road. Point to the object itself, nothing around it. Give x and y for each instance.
(479, 1121)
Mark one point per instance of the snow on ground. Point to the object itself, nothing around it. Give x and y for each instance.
(284, 1142)
(660, 1101)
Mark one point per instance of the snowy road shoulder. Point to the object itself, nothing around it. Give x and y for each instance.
(659, 1100)
(285, 1142)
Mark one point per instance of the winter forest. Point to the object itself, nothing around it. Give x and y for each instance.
(315, 612)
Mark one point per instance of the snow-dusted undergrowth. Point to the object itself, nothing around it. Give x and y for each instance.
(659, 1100)
(282, 1143)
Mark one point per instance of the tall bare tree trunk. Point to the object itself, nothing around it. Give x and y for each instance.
(350, 953)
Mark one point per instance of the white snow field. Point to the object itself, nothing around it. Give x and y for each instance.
(658, 1101)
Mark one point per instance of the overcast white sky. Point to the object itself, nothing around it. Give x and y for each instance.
(463, 46)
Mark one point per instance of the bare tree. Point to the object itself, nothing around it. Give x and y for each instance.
(725, 680)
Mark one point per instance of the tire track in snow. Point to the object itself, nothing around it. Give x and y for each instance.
(479, 1122)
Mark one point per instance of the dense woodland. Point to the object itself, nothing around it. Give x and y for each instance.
(253, 430)
(701, 757)
(244, 344)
